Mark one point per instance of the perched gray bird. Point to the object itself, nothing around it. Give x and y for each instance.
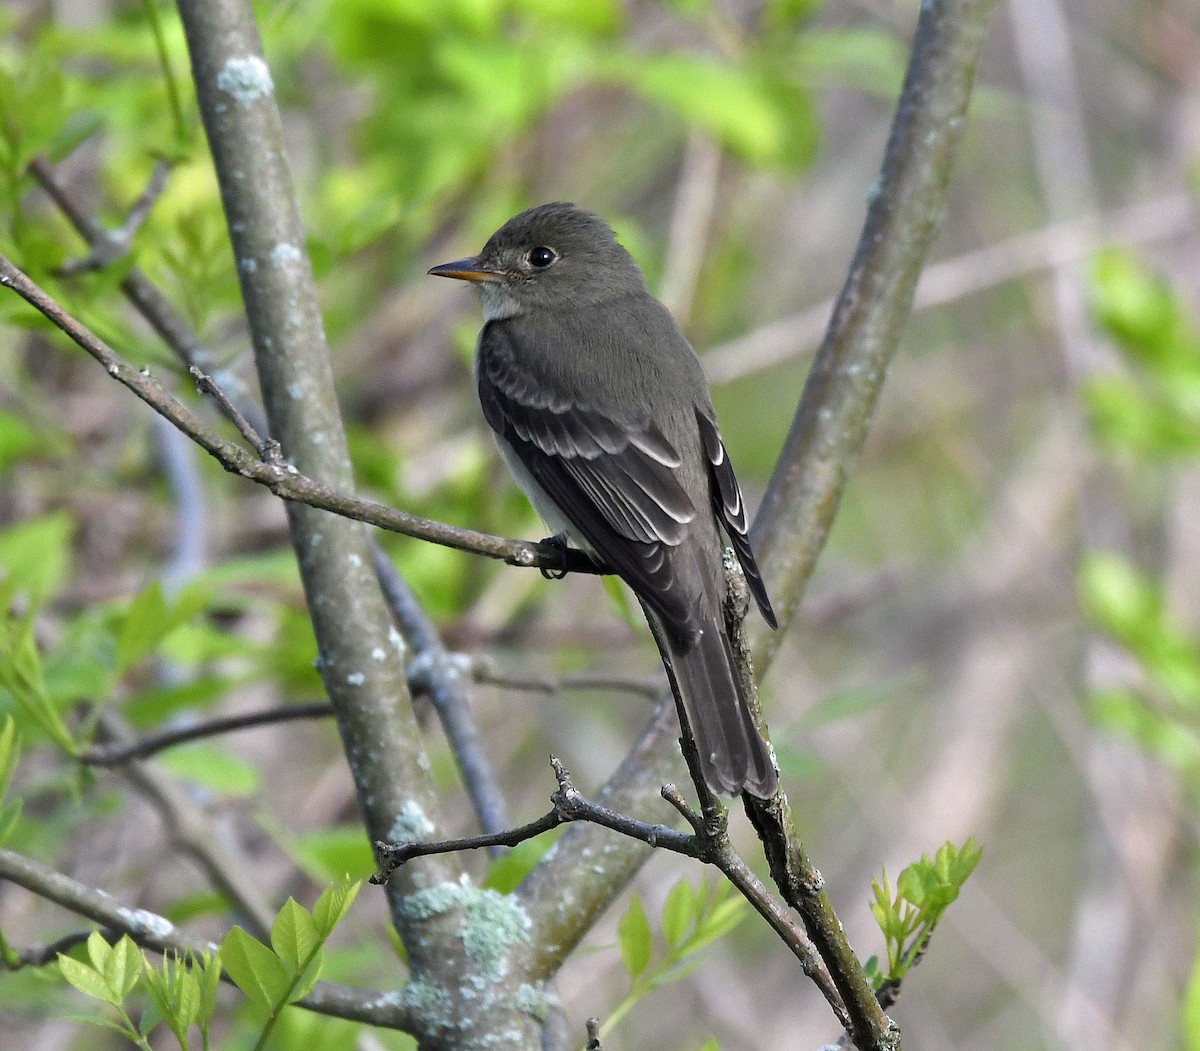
(601, 410)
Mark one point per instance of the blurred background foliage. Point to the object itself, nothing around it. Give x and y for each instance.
(1002, 639)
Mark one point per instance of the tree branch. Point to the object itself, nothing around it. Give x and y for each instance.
(708, 842)
(285, 480)
(361, 658)
(151, 931)
(905, 206)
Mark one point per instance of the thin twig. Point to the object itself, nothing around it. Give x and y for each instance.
(48, 952)
(708, 842)
(113, 245)
(479, 669)
(1046, 248)
(267, 448)
(286, 481)
(143, 747)
(649, 687)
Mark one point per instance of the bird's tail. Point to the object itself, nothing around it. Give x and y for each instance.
(733, 755)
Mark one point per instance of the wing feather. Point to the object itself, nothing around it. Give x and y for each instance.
(731, 509)
(614, 479)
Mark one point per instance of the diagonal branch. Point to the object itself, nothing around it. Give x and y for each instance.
(285, 480)
(906, 204)
(159, 934)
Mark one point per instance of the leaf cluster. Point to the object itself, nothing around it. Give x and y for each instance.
(692, 919)
(183, 990)
(908, 913)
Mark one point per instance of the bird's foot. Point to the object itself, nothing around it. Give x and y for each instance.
(560, 548)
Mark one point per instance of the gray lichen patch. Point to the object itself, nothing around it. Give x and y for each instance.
(491, 923)
(535, 1000)
(246, 79)
(411, 824)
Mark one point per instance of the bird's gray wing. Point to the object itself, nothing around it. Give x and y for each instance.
(730, 508)
(615, 480)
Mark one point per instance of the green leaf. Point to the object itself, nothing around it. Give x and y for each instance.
(633, 934)
(213, 767)
(254, 969)
(123, 968)
(294, 935)
(329, 853)
(724, 917)
(17, 439)
(98, 951)
(1119, 599)
(209, 982)
(151, 618)
(679, 913)
(332, 906)
(753, 112)
(10, 816)
(21, 675)
(86, 979)
(619, 593)
(308, 977)
(1139, 309)
(849, 703)
(35, 558)
(10, 753)
(506, 872)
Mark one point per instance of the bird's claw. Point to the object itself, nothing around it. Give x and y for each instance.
(558, 544)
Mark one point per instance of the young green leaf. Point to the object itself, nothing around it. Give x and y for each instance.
(333, 904)
(86, 979)
(98, 951)
(123, 967)
(294, 936)
(679, 913)
(633, 934)
(21, 675)
(254, 969)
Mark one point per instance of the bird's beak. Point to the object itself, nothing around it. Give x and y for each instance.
(467, 270)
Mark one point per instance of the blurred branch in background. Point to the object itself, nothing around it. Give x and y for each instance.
(1071, 240)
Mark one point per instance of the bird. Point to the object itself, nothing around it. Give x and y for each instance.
(602, 413)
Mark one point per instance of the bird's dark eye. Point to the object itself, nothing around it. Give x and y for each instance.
(542, 257)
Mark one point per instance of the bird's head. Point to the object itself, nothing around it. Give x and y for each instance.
(552, 257)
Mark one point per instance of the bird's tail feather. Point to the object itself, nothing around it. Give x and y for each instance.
(733, 755)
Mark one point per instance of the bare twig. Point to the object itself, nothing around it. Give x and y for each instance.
(112, 245)
(285, 480)
(695, 201)
(649, 687)
(114, 754)
(40, 955)
(268, 449)
(479, 669)
(1047, 248)
(592, 1027)
(151, 931)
